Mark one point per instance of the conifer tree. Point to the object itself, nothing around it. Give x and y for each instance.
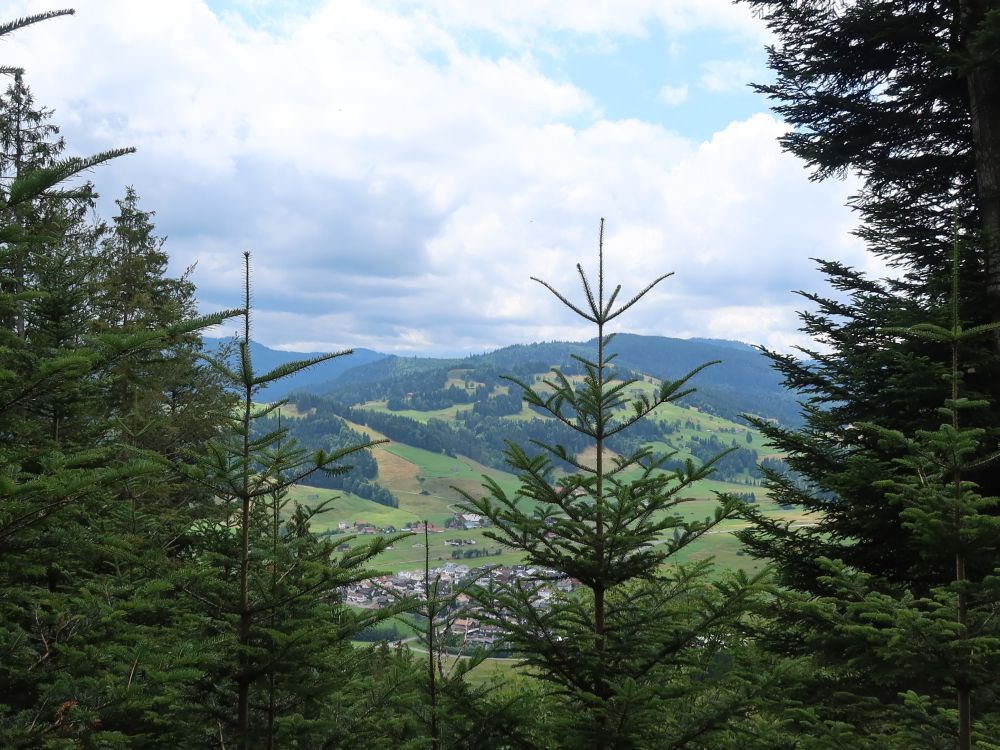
(948, 515)
(266, 584)
(68, 664)
(35, 215)
(166, 400)
(938, 644)
(907, 95)
(884, 89)
(637, 656)
(904, 95)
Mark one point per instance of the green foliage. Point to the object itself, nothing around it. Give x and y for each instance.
(883, 90)
(451, 710)
(92, 643)
(483, 436)
(635, 653)
(947, 634)
(265, 584)
(899, 492)
(160, 588)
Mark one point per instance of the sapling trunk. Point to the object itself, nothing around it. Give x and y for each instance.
(431, 670)
(599, 591)
(964, 692)
(243, 677)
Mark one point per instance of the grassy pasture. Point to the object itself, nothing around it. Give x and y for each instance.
(446, 414)
(437, 476)
(288, 410)
(431, 464)
(458, 378)
(409, 553)
(702, 425)
(425, 483)
(397, 474)
(349, 508)
(487, 672)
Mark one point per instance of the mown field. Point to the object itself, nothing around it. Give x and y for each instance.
(425, 484)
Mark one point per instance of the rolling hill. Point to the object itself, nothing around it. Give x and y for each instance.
(743, 381)
(448, 421)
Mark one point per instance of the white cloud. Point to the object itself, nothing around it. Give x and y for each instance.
(674, 95)
(522, 21)
(729, 75)
(398, 188)
(769, 325)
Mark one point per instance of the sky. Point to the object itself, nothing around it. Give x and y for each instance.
(399, 170)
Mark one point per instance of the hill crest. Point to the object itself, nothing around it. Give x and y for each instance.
(742, 381)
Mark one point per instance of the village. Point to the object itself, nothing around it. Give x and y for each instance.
(461, 618)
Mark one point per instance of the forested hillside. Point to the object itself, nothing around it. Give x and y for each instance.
(743, 381)
(479, 417)
(550, 546)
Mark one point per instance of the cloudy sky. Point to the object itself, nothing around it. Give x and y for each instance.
(400, 168)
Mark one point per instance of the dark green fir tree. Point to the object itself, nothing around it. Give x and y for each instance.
(72, 653)
(267, 587)
(939, 643)
(639, 654)
(906, 96)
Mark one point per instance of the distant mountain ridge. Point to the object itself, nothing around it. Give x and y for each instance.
(742, 382)
(266, 358)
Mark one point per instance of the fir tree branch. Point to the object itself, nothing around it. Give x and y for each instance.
(20, 23)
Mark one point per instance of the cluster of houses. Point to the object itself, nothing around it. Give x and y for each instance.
(364, 528)
(469, 521)
(464, 620)
(465, 521)
(460, 521)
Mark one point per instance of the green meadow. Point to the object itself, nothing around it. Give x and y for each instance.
(429, 485)
(441, 472)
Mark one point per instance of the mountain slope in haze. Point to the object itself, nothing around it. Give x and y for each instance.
(265, 359)
(390, 366)
(743, 382)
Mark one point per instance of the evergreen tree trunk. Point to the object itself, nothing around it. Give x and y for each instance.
(963, 689)
(601, 689)
(432, 692)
